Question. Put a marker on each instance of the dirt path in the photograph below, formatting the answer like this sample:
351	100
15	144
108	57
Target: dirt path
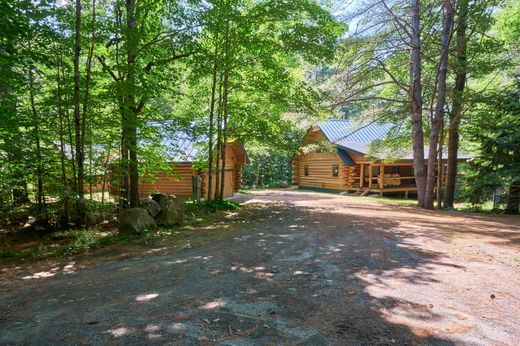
296	268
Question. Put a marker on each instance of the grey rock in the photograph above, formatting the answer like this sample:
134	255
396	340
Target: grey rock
152	207
135	221
172	210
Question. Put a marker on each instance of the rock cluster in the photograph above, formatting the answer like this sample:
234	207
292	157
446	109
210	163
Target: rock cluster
159	210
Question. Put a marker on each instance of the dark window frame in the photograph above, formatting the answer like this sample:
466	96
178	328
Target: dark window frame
306	170
335	170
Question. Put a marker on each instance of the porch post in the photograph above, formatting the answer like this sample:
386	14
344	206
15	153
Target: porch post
362	175
381	179
370	175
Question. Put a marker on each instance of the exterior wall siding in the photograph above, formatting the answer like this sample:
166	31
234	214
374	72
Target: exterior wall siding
179	183
320	171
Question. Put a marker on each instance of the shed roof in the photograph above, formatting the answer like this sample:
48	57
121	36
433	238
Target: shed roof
177	144
181	146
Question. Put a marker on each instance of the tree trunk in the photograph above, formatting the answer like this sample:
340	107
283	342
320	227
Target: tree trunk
219	141
131	108
456	109
36	121
223	145
225	108
77	117
440	166
87	93
123	168
513	200
416	103
123	148
72	149
211	121
59	99
217	161
436	120
106	170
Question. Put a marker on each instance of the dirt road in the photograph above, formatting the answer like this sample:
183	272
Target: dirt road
294	268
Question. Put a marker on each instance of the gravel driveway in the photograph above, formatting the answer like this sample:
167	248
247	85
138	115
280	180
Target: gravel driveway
293	268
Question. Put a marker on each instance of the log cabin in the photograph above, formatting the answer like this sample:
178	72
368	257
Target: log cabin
347	166
184	151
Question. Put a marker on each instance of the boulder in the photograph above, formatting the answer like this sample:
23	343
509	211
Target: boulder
172	209
91	219
135	221
152	207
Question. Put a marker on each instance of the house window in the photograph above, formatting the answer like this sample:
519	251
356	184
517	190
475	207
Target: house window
335	170
306	170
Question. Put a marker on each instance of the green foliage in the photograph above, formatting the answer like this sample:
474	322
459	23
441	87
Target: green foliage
494	132
71	242
268	167
270	41
508	23
195	208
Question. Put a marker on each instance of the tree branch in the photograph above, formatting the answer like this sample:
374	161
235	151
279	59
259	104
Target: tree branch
402	86
101	59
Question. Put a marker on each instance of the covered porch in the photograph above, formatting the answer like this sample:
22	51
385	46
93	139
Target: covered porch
376	177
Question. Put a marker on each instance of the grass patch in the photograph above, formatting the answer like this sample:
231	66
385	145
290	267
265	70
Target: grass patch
203	206
486	208
63	243
73	242
383	200
390	200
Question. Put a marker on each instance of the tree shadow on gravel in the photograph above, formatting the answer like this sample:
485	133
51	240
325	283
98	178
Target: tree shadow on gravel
496	229
366	253
286	273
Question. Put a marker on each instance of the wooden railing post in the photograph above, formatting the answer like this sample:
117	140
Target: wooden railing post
381	178
362	175
370	175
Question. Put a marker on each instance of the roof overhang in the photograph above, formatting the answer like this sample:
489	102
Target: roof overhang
344	156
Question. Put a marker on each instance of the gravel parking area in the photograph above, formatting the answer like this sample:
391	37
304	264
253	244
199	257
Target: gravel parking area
293	268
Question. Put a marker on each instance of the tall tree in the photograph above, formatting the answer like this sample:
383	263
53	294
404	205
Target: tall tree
417	103
153	36
436	121
460	67
80	153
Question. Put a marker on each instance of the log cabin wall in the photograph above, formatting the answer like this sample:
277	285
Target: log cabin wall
237	177
349	174
230	175
229	188
179	183
295	171
320	167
